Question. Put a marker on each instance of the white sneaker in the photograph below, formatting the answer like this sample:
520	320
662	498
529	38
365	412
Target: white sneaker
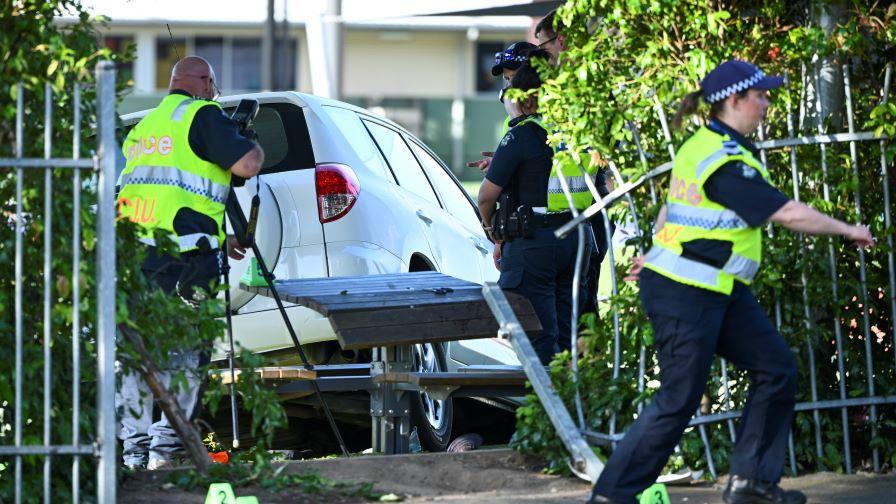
156	464
134	466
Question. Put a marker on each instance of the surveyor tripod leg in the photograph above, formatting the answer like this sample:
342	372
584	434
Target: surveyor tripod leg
269	278
225	269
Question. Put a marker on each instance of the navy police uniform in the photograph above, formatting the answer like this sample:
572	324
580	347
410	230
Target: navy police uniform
693	323
540	268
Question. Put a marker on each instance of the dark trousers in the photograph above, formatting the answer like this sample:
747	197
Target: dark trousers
591	278
739	331
542	269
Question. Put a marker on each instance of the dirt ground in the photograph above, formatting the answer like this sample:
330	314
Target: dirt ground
490	476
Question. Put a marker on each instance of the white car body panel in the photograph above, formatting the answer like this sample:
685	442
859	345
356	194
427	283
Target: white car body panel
387	228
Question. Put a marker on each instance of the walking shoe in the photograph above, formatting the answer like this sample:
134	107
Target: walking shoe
600	499
134	465
156	464
741	490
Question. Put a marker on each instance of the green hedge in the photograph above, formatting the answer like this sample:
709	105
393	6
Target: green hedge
625	59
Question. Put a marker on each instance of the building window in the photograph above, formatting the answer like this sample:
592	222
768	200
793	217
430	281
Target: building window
122	46
284	64
167	52
485	60
212	49
245	65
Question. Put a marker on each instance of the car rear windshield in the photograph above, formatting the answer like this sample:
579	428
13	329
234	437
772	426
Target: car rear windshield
283	134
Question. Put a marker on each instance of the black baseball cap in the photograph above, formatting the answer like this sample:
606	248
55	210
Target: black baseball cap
735	76
513	57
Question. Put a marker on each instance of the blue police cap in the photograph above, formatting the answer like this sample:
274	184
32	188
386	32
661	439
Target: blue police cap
733	77
513	57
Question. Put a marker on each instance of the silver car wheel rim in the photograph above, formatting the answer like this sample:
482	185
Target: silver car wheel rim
426	361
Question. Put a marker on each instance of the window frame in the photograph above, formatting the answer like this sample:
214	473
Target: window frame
366	118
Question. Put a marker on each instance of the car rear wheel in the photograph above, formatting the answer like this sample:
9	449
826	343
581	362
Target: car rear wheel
432	417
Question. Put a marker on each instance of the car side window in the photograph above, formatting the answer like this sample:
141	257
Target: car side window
349	124
454	197
403	163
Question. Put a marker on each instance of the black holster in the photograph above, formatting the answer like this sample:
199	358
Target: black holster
512	221
200	276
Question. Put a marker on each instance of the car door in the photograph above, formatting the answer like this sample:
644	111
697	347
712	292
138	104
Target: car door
460	207
453	252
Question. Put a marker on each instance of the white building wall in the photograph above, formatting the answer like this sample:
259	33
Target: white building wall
400	64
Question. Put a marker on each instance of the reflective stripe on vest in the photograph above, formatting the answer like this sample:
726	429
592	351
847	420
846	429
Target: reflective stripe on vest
729	148
181	109
575	184
167	175
702	273
186	242
705	218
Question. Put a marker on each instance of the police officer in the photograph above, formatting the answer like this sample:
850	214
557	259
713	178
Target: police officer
180	159
550	37
533	262
694	286
507	62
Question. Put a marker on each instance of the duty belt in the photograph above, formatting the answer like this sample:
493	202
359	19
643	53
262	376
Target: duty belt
552	219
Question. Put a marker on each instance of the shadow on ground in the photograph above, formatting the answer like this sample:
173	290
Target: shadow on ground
493	476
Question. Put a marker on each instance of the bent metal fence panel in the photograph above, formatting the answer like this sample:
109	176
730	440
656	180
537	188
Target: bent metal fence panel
100	171
840	151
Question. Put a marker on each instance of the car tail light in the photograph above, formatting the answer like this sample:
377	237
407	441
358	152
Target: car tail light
337	190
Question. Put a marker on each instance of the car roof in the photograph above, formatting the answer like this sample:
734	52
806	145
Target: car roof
300	99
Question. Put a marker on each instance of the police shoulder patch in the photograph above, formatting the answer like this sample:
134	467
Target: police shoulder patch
507	138
748	171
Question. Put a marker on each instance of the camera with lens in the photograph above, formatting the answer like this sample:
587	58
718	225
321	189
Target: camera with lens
244	116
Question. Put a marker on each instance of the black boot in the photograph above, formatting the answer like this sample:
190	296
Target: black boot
600	499
741	490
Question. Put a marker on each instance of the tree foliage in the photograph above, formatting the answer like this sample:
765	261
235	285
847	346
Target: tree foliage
628	60
36	49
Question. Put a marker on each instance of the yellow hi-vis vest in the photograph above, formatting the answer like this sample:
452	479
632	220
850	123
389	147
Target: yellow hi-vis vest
690	215
164	175
575	179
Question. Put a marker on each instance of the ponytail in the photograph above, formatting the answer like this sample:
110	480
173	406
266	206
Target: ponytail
688	106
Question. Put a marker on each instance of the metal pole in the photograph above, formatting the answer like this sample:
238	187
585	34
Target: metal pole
771	234
887	213
48	265
832	260
863	283
584	459
574	312
20	317
76	297
794	173
106	465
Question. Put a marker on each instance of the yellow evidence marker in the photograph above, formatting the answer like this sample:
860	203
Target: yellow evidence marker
654	494
222	493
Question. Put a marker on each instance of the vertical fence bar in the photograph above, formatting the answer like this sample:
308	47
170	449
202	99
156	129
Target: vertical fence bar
887	217
20	230
832	260
48	266
105	267
763	156
616	338
794	173
863	273
576	283
76	296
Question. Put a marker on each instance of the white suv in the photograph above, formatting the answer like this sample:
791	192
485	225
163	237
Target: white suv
345	192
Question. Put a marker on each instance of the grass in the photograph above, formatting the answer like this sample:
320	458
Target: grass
472	187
